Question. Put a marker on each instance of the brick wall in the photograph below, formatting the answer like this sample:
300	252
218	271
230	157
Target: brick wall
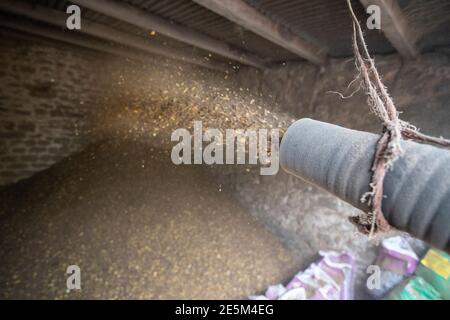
47	94
56	98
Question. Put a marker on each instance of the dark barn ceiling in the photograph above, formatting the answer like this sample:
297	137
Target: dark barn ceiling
323	23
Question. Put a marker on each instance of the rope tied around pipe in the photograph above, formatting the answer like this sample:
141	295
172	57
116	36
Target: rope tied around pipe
388	148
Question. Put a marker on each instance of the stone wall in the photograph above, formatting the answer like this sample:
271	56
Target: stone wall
420	88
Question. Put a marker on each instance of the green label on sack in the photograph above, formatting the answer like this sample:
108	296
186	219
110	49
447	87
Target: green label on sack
437	262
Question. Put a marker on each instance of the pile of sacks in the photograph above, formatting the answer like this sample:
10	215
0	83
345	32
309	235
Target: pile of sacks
331	278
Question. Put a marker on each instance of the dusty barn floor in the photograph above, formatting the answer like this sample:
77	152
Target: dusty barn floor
138	227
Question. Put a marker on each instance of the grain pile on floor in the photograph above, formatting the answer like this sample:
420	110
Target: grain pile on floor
138	227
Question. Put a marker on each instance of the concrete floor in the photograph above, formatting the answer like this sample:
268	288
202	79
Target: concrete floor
137	226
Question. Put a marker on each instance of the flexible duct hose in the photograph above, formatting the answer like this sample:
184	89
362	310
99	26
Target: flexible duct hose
416	189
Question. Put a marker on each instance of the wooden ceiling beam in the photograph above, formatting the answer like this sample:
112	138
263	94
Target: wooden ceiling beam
143	19
395	27
248	17
57	18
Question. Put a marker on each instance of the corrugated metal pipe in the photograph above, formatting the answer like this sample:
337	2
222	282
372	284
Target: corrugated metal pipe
416	189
